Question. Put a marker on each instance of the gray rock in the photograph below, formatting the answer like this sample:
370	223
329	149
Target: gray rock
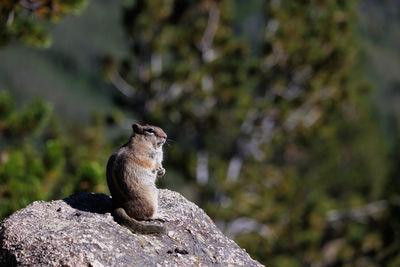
80	231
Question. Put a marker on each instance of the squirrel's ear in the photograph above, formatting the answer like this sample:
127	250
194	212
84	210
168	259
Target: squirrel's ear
137	128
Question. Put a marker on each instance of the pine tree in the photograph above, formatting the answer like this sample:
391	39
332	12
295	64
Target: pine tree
24	20
263	136
41	160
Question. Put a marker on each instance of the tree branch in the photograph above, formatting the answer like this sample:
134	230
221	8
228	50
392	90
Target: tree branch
209	33
360	214
31	5
123	86
10	18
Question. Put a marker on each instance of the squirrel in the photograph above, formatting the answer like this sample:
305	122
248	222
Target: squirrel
131	174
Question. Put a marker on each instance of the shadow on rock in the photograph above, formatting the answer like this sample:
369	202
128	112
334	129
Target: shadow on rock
96	203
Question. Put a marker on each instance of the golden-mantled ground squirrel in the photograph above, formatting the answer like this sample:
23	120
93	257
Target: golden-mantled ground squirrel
131	174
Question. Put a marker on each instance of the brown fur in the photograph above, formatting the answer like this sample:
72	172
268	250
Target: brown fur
131	175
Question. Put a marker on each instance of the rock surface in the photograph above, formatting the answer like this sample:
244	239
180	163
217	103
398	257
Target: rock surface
80	231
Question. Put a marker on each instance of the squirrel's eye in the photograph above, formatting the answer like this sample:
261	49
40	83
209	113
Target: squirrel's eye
151	131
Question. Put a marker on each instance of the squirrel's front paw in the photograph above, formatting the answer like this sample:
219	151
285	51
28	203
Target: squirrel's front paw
160	171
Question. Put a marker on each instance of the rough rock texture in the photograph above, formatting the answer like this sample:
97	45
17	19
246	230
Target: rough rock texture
79	231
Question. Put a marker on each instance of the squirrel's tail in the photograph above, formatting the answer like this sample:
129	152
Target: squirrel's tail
135	226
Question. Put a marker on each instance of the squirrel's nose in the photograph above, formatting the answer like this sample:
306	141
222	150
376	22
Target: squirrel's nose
160	143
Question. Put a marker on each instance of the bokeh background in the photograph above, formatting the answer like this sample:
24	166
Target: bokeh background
282	115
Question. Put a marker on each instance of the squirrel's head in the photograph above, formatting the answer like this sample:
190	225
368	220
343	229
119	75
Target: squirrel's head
153	134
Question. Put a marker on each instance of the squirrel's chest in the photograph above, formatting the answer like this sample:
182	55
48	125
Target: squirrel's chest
142	160
139	171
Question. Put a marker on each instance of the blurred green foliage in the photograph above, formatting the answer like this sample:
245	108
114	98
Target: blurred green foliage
40	159
24	20
271	139
271	130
